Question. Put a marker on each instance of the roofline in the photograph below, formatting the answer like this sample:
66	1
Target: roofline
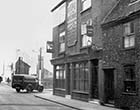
124	19
58	5
110	11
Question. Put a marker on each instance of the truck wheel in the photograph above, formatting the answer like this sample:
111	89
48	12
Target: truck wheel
29	88
18	90
40	88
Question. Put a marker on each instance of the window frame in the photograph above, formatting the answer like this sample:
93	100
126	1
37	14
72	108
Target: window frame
129	81
62	43
81	83
129	35
89	39
60	76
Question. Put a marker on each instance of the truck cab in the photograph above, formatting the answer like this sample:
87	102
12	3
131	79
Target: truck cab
26	82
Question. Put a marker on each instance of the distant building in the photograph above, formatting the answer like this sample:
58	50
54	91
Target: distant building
21	67
47	78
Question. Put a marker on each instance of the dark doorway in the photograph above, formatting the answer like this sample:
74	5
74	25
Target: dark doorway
68	79
109	86
94	80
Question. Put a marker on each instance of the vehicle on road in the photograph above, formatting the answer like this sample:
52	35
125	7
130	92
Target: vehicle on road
26	82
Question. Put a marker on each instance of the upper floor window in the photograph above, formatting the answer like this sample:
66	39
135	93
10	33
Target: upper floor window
129	37
86	4
59	15
62	42
130	79
86	35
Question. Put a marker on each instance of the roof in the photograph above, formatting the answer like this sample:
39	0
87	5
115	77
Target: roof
23	62
26	76
122	9
58	5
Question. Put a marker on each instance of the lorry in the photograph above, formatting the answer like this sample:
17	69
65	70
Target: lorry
26	82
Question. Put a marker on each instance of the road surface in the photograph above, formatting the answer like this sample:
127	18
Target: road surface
11	100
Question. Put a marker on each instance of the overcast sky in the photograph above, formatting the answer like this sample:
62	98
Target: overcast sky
25	25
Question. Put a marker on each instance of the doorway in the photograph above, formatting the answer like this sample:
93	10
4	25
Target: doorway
94	80
109	86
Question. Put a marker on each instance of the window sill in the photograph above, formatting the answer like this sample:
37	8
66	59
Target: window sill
62	53
81	92
128	48
130	93
83	11
60	89
85	47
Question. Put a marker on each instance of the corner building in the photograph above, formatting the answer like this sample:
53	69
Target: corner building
78	49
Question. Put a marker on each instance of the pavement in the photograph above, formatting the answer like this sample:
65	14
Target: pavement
75	104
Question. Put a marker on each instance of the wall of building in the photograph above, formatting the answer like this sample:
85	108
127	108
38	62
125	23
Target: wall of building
21	67
116	56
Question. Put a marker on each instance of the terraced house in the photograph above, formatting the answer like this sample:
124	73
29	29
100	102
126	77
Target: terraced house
77	56
121	52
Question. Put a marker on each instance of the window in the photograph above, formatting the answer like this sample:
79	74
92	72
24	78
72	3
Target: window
60	76
80	78
59	15
62	42
86	40
130	79
129	37
86	4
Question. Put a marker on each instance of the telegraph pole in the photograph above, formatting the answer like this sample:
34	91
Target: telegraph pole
40	65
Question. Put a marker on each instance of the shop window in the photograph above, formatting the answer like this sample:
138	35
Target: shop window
129	37
62	42
81	77
130	79
86	4
60	76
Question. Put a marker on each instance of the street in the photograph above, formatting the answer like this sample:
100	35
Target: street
11	100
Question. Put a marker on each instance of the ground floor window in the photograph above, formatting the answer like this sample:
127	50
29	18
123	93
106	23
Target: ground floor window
80	76
60	76
130	79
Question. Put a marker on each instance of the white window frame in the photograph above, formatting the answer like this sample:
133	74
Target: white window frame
129	37
85	40
62	41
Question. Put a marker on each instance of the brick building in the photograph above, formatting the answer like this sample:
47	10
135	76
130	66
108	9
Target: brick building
21	67
78	49
121	53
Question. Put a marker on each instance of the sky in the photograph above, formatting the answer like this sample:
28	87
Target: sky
25	25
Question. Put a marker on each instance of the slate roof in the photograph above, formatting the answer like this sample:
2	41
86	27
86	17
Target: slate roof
122	9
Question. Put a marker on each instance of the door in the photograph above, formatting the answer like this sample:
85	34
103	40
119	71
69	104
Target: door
109	86
94	80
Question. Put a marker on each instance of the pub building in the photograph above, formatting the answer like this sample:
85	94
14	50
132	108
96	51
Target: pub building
77	51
